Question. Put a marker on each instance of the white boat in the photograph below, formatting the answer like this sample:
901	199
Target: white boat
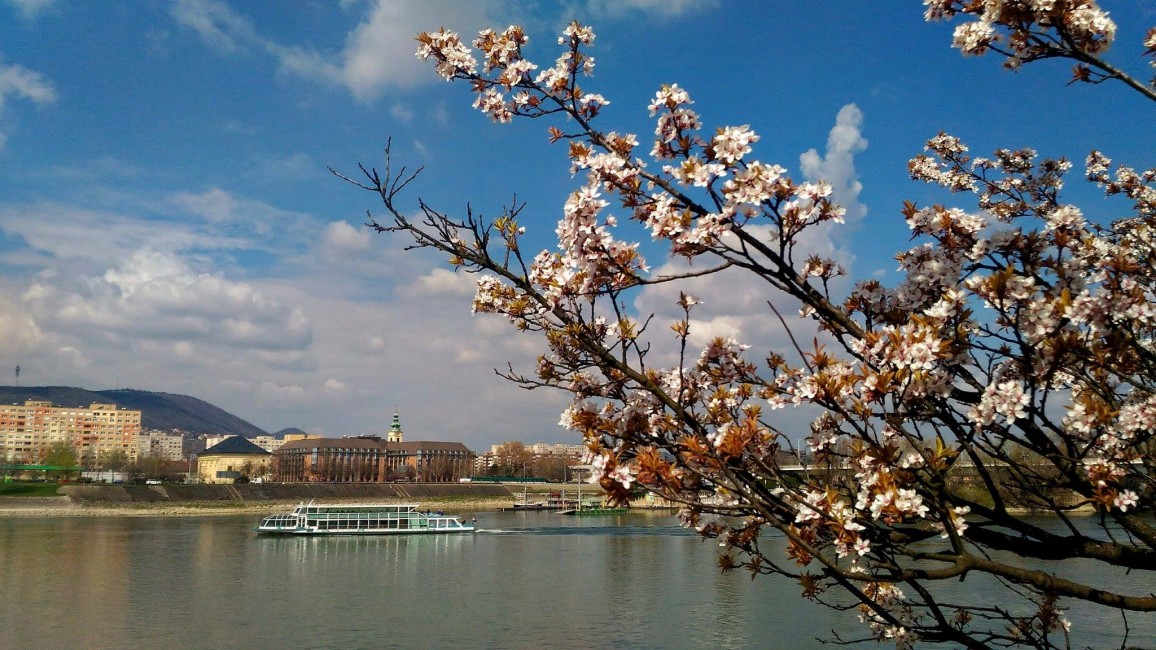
527	504
358	519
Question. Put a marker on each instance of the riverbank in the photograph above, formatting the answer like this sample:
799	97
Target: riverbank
66	507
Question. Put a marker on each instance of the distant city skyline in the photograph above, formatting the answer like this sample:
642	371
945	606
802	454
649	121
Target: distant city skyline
167	221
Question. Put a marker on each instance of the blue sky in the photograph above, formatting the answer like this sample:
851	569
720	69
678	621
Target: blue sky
167	221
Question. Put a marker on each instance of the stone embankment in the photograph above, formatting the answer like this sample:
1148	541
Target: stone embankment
188	500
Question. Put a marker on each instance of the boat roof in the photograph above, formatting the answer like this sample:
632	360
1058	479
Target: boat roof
358	506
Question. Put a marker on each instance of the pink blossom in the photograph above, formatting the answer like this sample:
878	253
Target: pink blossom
1126	499
732	143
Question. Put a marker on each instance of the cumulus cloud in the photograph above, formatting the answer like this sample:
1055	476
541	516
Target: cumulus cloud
155	295
342	239
19	331
444	282
837	166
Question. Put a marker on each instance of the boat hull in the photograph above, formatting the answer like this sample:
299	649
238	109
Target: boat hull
308	531
593	512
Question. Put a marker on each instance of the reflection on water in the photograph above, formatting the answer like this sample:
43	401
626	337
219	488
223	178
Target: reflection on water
525	580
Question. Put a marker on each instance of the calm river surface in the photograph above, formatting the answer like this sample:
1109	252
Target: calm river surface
527	580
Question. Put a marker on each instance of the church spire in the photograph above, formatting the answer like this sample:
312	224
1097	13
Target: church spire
395	428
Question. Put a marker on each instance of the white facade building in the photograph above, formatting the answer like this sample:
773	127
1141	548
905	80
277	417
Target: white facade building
162	445
268	443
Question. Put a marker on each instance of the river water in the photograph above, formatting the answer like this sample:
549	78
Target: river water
526	580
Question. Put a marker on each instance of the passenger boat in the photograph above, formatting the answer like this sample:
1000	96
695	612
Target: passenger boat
358	519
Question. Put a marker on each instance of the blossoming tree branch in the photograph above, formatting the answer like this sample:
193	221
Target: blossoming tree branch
1012	371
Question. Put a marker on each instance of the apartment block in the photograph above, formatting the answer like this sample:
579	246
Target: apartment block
161	445
268	443
28	430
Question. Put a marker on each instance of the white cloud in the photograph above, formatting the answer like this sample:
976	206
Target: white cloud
703	332
19	332
467	354
155	296
378	53
73	357
31	8
662	8
401	113
21	82
63	235
240	127
444	282
342	239
269	389
332	385
297	165
837	167
18	81
215	205
216	23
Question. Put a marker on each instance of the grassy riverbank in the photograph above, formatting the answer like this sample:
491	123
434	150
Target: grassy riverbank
28	490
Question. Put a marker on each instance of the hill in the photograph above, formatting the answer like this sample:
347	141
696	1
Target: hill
164	411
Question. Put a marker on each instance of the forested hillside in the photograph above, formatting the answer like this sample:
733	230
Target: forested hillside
164	411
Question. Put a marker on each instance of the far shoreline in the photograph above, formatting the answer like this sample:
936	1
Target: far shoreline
44	507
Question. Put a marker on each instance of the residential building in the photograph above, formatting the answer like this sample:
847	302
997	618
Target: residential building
231	459
550	452
28	430
290	437
268	443
212	440
540	449
160	445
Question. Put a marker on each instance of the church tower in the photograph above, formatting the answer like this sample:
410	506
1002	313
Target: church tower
395	428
